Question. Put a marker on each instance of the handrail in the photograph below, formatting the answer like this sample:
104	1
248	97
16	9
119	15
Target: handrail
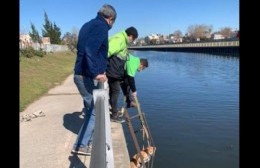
102	151
190	45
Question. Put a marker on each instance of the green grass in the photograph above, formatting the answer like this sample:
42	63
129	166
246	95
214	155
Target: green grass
39	74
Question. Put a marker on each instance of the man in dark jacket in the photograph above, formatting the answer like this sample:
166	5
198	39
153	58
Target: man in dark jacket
90	67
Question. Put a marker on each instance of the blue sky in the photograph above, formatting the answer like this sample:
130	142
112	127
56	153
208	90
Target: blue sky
148	16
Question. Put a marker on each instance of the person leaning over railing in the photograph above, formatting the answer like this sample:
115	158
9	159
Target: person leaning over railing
90	67
117	56
133	64
127	82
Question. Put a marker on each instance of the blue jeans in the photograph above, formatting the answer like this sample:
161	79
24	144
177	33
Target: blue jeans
86	86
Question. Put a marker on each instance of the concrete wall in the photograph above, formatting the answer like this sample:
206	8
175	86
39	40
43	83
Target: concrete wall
46	47
51	47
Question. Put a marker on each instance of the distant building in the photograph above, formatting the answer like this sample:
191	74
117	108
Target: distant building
142	42
154	37
175	39
46	40
25	40
218	36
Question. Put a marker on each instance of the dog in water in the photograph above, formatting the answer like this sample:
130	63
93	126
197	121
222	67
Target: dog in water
136	161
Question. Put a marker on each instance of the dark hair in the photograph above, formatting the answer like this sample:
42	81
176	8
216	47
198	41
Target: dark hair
144	62
107	11
132	31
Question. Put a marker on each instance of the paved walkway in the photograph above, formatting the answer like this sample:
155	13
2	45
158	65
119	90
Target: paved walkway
46	140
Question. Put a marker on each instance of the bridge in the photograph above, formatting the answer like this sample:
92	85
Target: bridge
215	47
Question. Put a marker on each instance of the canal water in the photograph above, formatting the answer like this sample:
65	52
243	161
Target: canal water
191	103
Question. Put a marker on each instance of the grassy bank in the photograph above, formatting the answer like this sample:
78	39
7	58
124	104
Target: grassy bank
39	74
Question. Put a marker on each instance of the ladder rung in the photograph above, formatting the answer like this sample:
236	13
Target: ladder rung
134	116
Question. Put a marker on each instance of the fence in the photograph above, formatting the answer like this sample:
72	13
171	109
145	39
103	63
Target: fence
45	47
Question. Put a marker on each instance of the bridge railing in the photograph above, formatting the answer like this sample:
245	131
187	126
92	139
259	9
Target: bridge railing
189	45
102	151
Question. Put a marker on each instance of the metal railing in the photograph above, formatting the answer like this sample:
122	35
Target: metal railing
190	45
102	151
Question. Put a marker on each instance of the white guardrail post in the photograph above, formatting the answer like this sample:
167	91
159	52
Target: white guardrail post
102	151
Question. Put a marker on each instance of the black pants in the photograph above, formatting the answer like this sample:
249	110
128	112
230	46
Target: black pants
114	91
126	91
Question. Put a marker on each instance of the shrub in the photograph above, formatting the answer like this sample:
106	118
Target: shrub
27	52
30	52
40	53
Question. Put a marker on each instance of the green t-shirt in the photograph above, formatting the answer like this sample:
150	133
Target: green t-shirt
132	65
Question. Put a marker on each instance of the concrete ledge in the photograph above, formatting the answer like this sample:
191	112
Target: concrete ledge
121	156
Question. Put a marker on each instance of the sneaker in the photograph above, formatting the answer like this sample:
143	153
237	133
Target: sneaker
121	112
116	119
82	151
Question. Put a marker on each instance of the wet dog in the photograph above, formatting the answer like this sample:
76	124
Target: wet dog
136	161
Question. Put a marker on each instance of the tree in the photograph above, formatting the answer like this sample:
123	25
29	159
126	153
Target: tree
51	30
46	32
34	34
56	34
201	32
71	39
226	32
177	34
